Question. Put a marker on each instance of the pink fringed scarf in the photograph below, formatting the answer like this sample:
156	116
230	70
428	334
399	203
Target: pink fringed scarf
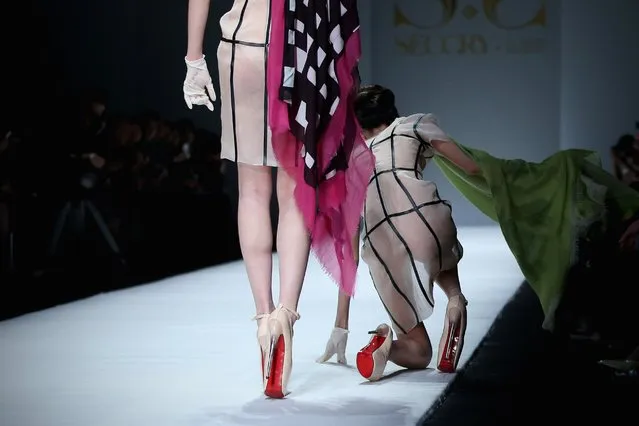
332	164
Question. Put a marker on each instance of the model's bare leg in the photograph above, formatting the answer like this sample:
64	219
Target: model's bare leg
344	300
293	243
338	339
412	350
255	232
448	281
343	310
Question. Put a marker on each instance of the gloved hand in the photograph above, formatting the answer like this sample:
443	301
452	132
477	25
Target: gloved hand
198	86
336	346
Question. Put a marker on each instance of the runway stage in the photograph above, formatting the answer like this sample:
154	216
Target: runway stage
182	352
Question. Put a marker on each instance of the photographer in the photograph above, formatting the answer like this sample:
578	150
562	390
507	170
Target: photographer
8	169
607	253
87	145
630	238
629	242
625	156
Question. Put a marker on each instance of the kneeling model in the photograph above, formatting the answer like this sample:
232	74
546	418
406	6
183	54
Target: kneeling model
410	241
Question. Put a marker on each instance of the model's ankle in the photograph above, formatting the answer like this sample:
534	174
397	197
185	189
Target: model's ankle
341	324
265	309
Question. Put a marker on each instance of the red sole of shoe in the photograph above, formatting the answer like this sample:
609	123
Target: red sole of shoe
449	364
365	362
274	382
446	366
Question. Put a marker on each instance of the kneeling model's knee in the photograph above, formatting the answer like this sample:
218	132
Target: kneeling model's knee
412	354
425	357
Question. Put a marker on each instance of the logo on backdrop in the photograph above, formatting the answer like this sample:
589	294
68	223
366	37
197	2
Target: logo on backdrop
469	27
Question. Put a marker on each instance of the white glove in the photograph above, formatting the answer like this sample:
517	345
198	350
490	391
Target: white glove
198	86
336	346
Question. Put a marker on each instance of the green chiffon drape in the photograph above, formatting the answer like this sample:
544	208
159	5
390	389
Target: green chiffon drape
542	209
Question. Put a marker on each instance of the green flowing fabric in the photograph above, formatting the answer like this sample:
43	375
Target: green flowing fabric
542	209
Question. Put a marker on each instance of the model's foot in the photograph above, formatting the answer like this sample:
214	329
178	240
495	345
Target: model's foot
280	351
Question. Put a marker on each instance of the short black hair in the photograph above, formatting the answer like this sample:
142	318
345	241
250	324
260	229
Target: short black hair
375	106
625	143
5	128
95	95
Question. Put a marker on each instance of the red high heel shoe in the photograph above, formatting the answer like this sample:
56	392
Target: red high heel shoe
372	358
452	341
280	352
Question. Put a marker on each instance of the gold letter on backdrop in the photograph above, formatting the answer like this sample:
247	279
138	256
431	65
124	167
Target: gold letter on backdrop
491	11
449	7
491	7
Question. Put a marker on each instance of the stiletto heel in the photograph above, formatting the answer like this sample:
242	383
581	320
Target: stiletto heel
280	352
452	340
271	354
372	358
262	338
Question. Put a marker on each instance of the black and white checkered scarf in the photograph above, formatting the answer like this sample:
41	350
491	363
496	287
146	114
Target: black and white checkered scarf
316	33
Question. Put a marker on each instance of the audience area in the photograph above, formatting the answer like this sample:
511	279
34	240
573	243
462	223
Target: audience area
91	200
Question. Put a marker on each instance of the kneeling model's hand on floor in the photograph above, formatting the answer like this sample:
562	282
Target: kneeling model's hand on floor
336	345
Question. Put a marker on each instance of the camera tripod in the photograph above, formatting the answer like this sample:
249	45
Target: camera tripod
80	208
7	246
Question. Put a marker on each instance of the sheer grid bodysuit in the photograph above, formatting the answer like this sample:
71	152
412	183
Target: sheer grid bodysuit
409	233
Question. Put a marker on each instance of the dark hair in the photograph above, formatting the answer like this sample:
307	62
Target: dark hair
375	106
94	95
207	142
624	143
5	128
184	126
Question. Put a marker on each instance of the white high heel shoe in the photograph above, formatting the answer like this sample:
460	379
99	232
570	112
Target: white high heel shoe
280	351
336	345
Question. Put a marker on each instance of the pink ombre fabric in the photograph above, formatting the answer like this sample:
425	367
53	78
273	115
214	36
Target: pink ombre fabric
332	215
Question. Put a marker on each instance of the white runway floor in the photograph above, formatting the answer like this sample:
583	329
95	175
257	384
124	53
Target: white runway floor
182	352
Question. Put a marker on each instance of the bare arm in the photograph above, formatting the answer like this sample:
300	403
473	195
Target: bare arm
428	131
336	344
198	15
344	300
452	153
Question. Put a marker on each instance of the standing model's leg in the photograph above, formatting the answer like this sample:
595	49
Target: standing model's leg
256	241
293	245
452	340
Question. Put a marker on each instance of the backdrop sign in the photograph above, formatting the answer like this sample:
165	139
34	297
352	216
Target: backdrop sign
488	69
469	27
